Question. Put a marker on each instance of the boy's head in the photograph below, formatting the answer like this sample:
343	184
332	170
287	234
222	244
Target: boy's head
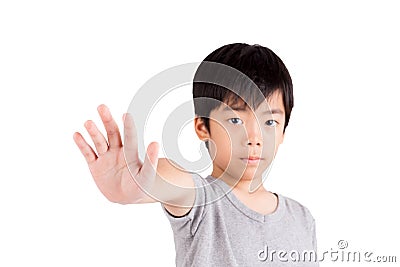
258	63
273	91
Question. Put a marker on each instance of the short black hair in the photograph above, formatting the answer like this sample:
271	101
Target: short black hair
259	63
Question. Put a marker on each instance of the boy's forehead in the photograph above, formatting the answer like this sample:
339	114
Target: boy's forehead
273	102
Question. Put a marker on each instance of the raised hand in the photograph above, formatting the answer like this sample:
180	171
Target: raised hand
108	163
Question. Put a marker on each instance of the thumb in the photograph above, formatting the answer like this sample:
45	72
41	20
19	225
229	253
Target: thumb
149	167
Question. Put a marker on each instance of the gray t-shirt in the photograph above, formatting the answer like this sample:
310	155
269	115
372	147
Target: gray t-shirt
225	232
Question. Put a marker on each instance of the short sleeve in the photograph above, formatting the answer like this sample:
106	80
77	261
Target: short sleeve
314	236
187	224
311	227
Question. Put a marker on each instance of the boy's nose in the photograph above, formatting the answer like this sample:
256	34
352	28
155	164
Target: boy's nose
254	136
254	142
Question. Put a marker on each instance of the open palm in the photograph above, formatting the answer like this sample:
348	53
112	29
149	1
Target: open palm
109	163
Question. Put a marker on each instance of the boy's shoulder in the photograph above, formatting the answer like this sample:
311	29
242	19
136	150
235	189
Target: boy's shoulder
295	209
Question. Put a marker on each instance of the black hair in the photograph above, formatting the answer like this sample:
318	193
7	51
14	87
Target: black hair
258	63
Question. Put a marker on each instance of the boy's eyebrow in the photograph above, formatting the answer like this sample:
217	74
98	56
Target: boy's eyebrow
228	108
272	111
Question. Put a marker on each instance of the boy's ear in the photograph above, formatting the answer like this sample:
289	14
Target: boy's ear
200	128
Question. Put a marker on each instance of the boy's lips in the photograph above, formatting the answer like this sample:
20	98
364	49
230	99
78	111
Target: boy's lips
252	160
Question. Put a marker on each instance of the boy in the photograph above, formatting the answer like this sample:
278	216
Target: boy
227	218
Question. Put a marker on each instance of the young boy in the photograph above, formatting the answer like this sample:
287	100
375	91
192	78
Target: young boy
227	218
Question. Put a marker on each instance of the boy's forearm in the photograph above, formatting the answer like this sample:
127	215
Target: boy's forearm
171	185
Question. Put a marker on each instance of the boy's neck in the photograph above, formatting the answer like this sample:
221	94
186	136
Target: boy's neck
244	185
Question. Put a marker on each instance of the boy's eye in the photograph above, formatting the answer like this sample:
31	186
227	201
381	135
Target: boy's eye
235	121
272	123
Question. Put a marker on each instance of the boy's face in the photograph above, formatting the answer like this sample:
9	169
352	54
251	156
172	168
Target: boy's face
243	143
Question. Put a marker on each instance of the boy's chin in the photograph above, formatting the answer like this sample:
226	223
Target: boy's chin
250	174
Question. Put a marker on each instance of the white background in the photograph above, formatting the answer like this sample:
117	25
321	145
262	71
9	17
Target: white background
60	59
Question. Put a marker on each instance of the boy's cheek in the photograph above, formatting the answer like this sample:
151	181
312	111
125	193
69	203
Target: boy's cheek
219	148
278	138
224	151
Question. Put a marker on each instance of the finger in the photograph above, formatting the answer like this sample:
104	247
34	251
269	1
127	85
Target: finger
114	137
130	139
149	167
85	148
98	139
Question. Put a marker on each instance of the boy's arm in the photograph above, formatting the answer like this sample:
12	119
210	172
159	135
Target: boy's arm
178	185
140	183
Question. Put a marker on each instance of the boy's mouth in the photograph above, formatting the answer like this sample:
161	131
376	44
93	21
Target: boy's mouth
252	160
